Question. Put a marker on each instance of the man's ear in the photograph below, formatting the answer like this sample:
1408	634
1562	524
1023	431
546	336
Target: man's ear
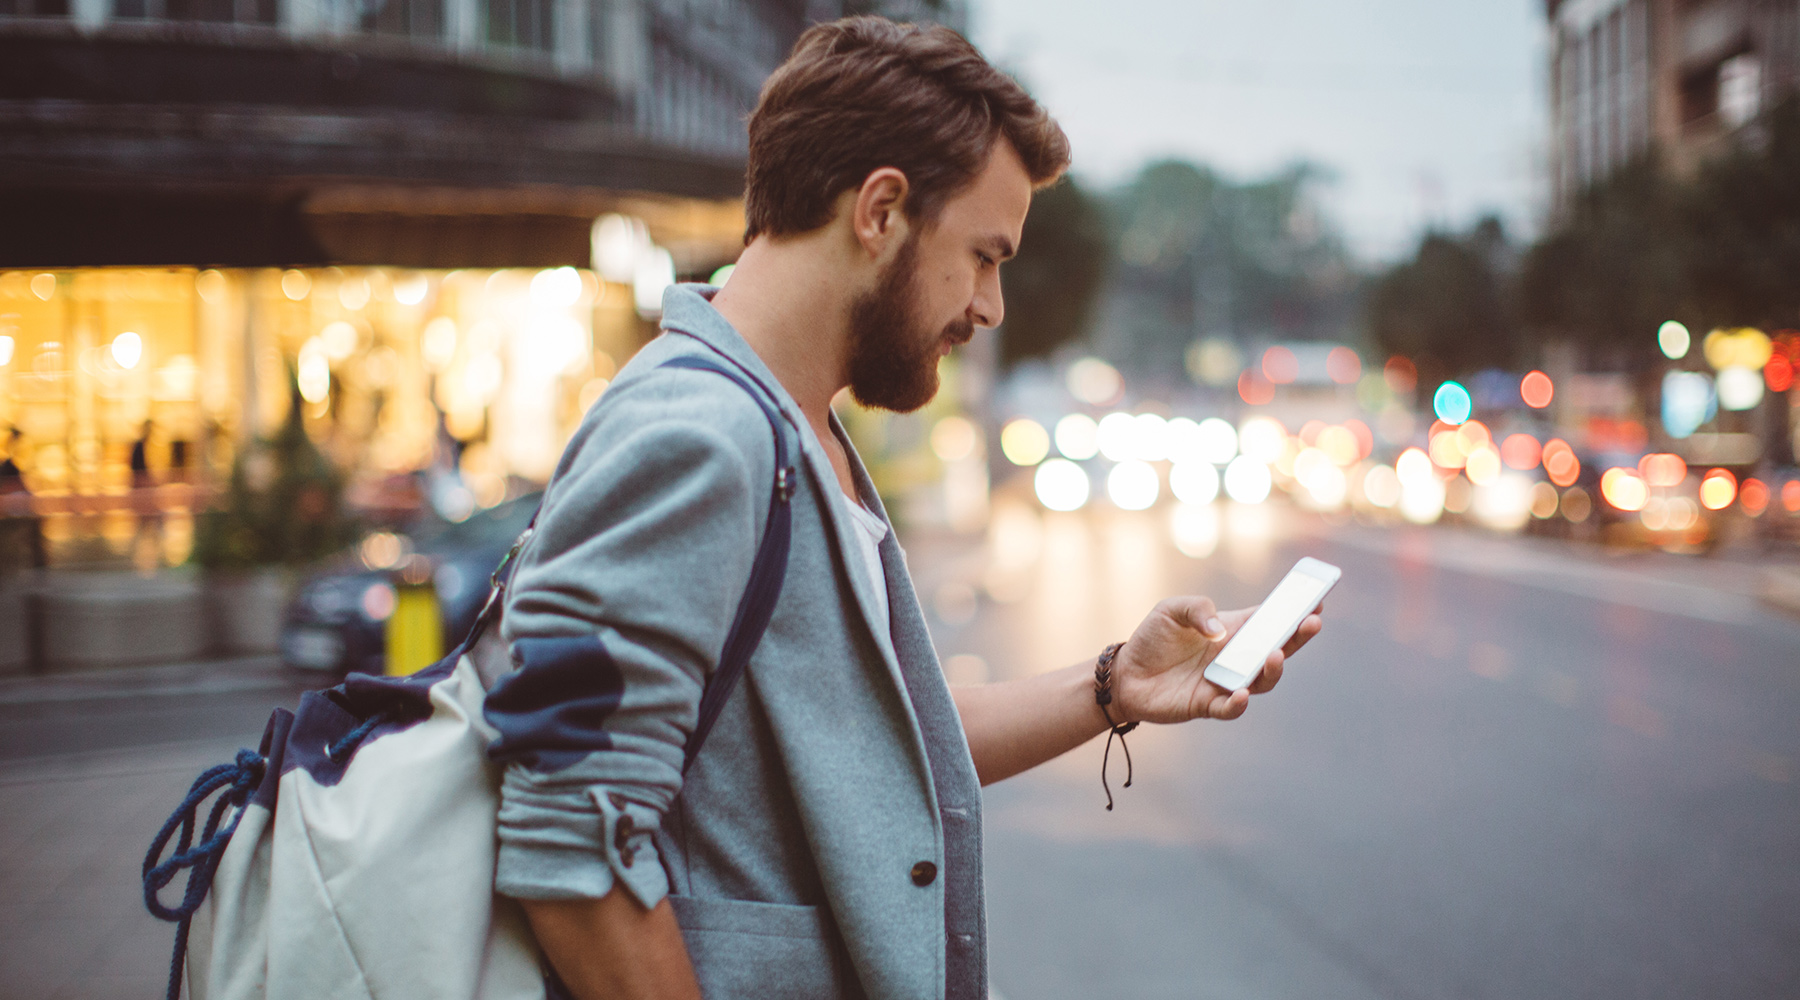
878	216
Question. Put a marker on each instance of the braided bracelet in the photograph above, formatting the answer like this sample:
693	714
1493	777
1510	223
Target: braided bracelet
1103	696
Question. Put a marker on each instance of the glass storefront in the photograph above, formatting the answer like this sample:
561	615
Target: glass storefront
125	393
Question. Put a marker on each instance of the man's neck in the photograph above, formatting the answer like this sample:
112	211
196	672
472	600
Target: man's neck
795	316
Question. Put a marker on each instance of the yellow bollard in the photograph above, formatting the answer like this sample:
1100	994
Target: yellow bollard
415	631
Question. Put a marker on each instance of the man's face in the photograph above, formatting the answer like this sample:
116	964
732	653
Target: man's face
941	283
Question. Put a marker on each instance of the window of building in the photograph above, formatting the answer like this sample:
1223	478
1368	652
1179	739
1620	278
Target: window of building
34	8
1740	89
422	19
525	24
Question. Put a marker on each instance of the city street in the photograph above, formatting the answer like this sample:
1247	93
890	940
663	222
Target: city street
1508	768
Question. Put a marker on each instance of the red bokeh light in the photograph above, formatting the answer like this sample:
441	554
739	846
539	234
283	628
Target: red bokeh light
1365	439
1521	451
1309	432
1560	463
1401	375
1790	496
1280	366
1343	366
1754	495
1662	470
1537	390
1255	390
1779	373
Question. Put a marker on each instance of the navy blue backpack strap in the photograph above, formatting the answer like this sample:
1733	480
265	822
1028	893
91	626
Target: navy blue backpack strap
767	573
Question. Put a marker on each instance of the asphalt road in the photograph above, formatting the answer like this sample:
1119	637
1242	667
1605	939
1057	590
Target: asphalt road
1504	770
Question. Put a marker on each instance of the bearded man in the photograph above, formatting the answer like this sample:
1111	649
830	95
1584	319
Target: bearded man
827	841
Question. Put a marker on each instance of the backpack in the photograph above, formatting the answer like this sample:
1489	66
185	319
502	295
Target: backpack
352	853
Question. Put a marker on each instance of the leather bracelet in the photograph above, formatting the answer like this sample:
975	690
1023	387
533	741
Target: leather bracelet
1103	696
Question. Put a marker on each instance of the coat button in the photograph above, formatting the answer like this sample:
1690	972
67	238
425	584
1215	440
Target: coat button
923	873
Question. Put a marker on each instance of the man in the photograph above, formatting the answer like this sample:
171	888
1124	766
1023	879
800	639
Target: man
826	841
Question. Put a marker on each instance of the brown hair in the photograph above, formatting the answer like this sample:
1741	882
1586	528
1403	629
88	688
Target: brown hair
864	93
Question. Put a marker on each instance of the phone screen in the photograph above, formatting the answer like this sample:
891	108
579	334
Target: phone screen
1291	601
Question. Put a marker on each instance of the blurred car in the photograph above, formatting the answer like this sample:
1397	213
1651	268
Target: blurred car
337	622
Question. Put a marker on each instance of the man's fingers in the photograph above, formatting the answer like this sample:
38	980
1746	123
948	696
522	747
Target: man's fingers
1271	674
1230	707
1197	613
1308	628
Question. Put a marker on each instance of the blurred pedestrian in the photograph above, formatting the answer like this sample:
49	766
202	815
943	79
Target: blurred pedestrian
12	478
827	841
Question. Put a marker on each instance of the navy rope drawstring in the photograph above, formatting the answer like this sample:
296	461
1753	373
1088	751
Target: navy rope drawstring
238	780
348	743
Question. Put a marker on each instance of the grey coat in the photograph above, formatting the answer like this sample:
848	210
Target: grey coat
827	841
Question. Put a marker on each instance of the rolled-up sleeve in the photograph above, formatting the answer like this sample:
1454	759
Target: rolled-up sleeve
616	616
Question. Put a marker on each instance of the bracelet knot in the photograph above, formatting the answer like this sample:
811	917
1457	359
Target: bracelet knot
1103	696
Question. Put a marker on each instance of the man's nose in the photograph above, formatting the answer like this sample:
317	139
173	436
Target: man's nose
989	308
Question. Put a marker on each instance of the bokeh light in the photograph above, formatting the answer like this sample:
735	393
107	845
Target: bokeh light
1194	481
1280	366
1149	438
1521	452
1262	439
1577	506
1452	403
955	438
1718	489
1790	496
1078	437
1483	466
1422	499
1247	480
1118	437
1754	497
1024	441
1401	375
1537	390
1662	469
1624	489
1779	373
1413	465
1504	503
1340	444
1095	382
1560	463
1343	366
1195	529
1674	340
1254	389
1543	501
1218	441
1133	485
127	350
1061	485
1381	486
1688	401
1740	388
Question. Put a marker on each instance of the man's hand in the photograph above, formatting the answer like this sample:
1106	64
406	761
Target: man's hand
1157	676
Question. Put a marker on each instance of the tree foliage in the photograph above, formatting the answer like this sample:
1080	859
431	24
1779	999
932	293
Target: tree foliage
1448	308
1051	284
1720	248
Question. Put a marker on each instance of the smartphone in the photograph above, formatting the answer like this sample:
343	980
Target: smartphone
1273	624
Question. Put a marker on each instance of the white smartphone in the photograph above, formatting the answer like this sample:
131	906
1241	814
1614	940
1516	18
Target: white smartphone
1273	624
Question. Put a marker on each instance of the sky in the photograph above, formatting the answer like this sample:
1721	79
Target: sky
1427	113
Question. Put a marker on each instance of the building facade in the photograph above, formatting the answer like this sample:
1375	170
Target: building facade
1682	77
436	226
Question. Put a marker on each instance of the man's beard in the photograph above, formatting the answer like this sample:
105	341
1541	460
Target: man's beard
893	365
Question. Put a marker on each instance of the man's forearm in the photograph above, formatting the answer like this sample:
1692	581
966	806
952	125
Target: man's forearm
613	948
1017	725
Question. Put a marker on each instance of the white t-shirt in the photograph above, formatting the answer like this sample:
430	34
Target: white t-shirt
869	532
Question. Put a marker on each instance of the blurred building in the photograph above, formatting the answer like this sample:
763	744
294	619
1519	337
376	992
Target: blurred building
1681	76
444	222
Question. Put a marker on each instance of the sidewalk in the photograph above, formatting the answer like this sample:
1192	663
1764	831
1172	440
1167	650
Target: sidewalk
243	673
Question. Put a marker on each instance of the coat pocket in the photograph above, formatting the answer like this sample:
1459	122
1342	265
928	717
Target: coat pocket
742	949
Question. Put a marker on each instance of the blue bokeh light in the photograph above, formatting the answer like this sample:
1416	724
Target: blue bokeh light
1452	403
